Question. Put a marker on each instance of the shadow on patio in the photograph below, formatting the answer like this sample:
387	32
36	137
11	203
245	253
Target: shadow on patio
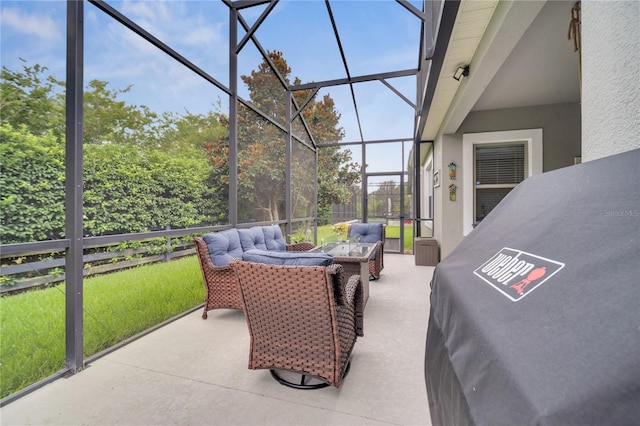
194	371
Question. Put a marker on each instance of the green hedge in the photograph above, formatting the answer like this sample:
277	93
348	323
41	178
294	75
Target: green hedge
32	182
126	189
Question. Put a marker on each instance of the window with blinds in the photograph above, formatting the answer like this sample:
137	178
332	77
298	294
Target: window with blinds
497	170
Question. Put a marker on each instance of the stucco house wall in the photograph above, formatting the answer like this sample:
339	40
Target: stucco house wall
610	77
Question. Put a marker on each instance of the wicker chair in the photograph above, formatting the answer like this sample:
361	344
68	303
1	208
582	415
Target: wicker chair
221	281
302	319
371	233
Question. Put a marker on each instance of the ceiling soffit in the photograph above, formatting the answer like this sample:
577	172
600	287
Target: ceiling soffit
487	41
471	22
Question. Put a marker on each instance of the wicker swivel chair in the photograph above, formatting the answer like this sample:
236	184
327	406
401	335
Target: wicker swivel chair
370	233
302	319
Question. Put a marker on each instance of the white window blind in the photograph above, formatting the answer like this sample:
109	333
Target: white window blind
498	169
499	164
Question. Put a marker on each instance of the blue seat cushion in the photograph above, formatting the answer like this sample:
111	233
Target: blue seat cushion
368	232
273	238
252	238
223	246
288	258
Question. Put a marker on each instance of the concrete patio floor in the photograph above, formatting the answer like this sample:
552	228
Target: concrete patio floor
194	372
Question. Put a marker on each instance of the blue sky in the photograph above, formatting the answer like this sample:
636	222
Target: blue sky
377	36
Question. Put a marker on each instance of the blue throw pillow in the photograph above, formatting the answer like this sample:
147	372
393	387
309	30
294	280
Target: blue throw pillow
288	258
223	246
273	238
252	238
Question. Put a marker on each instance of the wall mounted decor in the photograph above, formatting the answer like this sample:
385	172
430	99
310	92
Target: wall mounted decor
452	170
452	191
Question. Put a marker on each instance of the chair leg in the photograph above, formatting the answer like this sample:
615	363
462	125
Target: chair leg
302	384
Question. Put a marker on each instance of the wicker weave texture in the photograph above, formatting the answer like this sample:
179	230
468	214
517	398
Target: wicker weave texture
295	320
301	246
220	281
376	265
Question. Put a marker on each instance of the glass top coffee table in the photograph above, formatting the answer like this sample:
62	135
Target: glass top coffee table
354	258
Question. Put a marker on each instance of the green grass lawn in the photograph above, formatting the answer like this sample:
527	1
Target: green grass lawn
325	232
116	307
393	231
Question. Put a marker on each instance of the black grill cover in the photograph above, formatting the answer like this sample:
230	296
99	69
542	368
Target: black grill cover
535	316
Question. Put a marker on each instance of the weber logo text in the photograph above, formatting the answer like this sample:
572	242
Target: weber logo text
516	273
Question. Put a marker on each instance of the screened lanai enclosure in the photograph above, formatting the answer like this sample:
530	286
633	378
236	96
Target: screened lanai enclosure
128	127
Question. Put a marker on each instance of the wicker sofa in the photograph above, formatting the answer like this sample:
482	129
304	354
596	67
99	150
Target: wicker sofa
301	319
215	250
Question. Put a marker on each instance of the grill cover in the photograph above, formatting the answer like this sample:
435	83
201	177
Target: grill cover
535	316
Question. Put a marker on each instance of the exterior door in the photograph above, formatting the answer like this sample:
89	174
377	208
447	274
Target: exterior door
384	202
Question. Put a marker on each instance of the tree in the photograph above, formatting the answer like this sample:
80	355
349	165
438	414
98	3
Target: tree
337	172
261	149
32	99
110	120
261	145
208	133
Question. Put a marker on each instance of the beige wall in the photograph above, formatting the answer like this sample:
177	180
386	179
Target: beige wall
448	214
610	77
438	217
560	124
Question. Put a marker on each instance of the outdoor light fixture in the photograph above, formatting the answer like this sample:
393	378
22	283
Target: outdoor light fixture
461	72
